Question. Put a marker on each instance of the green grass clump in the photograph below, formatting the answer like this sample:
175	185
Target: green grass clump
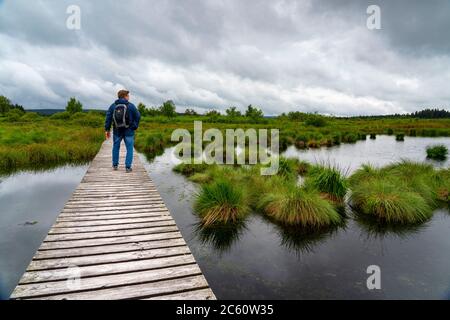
404	193
328	180
373	136
221	202
295	205
437	152
390	202
189	169
400	137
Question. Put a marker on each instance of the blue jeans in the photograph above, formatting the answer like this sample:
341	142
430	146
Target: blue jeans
129	143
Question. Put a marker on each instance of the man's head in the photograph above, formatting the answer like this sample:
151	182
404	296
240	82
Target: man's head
124	94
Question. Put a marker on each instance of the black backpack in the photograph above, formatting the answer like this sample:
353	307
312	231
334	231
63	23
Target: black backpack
120	116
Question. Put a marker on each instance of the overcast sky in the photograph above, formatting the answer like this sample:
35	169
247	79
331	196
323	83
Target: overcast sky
281	55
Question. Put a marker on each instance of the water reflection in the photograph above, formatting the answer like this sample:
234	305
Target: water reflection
374	229
221	237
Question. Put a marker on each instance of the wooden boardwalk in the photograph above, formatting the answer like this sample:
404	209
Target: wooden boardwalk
115	239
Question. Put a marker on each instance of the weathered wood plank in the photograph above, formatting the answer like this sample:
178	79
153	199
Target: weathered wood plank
108	234
203	294
106	258
105	269
87	251
104	282
138	291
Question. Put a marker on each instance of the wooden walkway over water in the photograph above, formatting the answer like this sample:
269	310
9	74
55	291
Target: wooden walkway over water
117	235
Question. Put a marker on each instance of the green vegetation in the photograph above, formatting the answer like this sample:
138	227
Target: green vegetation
221	202
404	193
329	181
294	205
74	106
437	152
30	141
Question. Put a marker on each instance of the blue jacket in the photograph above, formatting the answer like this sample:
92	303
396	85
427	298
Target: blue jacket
133	115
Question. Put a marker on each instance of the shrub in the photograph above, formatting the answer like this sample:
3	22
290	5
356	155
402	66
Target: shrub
316	120
437	152
298	206
221	202
389	202
328	180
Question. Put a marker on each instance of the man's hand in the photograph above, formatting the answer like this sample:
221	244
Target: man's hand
107	135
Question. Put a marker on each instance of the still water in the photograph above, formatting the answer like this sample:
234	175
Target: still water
258	260
29	204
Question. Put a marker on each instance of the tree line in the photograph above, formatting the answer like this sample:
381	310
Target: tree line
169	109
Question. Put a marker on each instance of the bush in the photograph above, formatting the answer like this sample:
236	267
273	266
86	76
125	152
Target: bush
328	180
14	115
316	121
389	202
437	152
298	206
31	117
61	116
221	202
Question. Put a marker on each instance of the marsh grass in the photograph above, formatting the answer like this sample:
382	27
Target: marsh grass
437	152
328	180
220	202
404	193
294	205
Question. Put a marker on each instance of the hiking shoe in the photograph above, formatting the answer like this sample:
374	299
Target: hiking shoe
115	168
129	170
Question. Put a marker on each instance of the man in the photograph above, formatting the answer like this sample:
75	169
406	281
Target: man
125	117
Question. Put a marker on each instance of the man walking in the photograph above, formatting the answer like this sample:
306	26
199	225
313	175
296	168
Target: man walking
124	117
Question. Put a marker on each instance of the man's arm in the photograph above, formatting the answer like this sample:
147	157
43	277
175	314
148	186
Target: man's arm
136	117
108	121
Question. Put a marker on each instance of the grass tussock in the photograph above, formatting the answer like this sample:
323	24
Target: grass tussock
404	193
437	152
328	180
298	206
221	203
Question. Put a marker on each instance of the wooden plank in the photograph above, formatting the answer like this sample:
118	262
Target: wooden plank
106	241
105	269
104	282
109	221
114	227
108	234
139	291
87	251
203	294
106	258
156	208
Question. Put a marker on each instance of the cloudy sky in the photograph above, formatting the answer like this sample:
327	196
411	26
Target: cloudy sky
281	55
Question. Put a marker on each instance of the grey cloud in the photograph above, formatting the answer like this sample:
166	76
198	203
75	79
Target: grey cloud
282	55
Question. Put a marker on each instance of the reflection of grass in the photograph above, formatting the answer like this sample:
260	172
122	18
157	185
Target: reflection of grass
221	236
374	229
303	240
